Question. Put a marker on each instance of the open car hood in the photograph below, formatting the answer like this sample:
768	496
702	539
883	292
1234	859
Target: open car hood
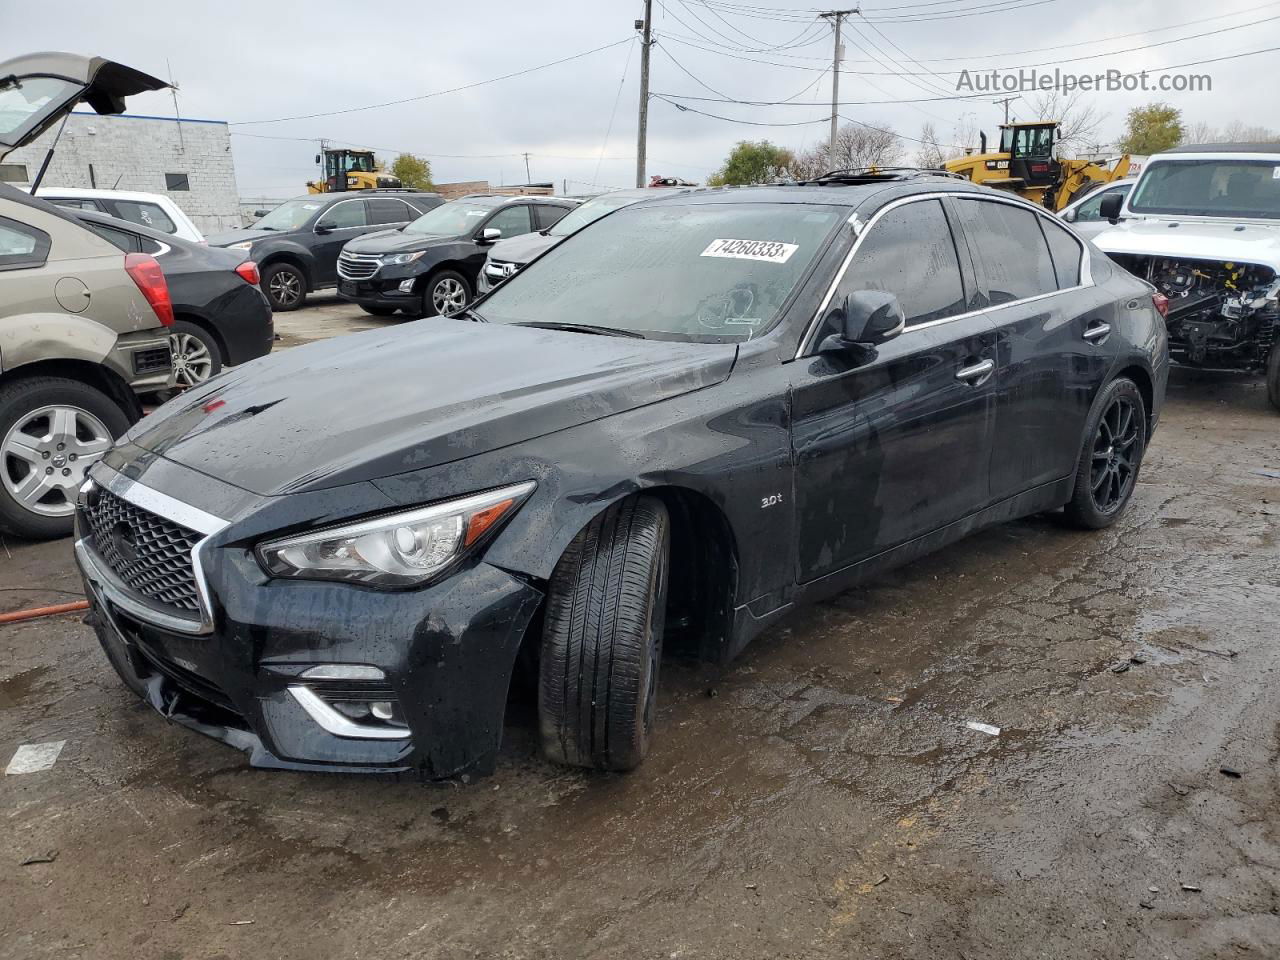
32	99
1227	241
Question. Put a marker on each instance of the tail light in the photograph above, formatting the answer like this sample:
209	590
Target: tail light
146	273
1161	303
249	271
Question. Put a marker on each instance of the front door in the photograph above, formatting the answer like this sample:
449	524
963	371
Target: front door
898	446
340	223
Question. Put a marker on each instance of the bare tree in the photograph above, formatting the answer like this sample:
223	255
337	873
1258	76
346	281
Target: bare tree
1234	132
863	146
930	153
810	163
1078	118
1201	132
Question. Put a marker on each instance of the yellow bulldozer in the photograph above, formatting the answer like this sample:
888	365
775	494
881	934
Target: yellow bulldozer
350	170
1025	164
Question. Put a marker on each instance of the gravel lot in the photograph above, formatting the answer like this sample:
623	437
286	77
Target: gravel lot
822	797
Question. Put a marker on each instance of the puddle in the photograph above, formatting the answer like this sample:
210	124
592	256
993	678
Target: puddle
19	688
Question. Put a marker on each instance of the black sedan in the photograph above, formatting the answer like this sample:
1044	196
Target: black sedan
678	425
431	267
296	245
220	316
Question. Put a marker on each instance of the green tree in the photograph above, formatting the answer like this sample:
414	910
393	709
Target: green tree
1151	129
414	172
752	163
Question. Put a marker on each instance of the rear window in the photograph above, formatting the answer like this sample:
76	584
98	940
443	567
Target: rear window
21	245
1066	252
29	101
1011	249
146	214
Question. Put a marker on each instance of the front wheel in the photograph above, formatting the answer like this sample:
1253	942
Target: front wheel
285	287
602	639
1115	440
1273	375
51	431
445	293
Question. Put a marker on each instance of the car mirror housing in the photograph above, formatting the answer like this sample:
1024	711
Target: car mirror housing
1110	207
871	317
323	228
489	235
1069	216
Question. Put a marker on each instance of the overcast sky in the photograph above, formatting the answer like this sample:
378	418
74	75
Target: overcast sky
240	61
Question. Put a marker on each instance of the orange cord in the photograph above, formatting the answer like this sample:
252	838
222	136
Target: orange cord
17	616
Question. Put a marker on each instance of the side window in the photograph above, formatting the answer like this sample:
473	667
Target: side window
75	204
1007	242
910	253
128	242
1066	251
146	214
348	213
548	214
420	205
21	245
386	210
512	221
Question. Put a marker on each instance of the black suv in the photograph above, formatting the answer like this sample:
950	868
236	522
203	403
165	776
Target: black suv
296	245
432	266
679	424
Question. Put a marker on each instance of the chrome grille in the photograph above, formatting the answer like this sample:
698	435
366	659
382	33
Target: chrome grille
357	266
150	555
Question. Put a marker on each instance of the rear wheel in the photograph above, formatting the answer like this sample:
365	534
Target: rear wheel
1273	375
51	431
602	639
196	354
1115	440
285	286
445	294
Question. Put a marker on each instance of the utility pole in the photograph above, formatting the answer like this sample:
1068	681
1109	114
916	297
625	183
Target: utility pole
528	177
645	27
1006	102
836	17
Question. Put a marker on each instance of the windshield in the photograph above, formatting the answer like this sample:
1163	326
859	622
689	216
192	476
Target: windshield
698	272
451	219
593	210
290	215
1210	188
28	101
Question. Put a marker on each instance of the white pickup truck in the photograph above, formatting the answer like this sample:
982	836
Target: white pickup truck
1202	225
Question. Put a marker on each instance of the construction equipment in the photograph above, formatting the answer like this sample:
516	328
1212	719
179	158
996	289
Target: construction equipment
1025	164
350	170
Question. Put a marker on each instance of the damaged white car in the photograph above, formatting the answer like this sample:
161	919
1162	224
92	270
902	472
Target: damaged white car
1203	226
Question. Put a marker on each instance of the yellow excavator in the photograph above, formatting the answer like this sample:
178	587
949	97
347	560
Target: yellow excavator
350	170
1025	165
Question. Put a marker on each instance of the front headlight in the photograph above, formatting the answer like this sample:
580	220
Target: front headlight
395	258
397	550
243	245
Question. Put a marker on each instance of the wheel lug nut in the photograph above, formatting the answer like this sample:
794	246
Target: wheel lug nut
66	471
62	446
73	456
45	454
48	469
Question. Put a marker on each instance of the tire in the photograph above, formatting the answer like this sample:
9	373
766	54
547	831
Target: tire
197	355
1273	375
1083	190
33	421
379	311
285	287
1115	439
439	283
602	639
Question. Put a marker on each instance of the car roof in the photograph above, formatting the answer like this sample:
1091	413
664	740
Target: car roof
89	193
129	226
1268	148
329	198
499	198
834	194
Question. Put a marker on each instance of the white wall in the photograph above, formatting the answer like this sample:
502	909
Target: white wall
139	151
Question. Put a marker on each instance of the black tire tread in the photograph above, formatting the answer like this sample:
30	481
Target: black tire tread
1273	375
1080	510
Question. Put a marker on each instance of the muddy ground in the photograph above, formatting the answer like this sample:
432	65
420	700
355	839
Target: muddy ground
820	798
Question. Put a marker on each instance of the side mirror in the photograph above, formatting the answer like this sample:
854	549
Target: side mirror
323	228
1069	216
489	235
261	213
1110	208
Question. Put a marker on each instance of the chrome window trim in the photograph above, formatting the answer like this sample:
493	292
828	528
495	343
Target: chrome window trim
329	209
165	506
863	228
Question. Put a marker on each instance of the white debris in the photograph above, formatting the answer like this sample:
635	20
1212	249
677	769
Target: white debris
34	757
986	728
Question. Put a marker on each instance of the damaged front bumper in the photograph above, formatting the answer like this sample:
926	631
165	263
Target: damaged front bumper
322	676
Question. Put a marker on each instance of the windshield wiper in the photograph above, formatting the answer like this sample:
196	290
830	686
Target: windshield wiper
581	328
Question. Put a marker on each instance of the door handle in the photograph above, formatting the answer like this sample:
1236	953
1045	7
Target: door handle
976	373
1097	331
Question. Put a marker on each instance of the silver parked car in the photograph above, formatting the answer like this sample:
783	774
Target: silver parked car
82	325
1085	214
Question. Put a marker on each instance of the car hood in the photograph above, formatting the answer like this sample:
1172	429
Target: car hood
396	241
102	84
372	405
239	236
1229	241
522	249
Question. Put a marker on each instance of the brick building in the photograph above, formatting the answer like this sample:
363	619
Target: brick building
187	160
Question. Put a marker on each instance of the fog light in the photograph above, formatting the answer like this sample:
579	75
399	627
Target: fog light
352	708
382	709
406	286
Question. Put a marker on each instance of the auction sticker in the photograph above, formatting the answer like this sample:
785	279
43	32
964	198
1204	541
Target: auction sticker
770	251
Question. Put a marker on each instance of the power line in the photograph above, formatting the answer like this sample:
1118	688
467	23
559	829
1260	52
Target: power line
612	113
435	93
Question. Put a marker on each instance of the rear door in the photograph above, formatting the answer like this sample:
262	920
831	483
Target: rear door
1051	355
388	212
899	446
